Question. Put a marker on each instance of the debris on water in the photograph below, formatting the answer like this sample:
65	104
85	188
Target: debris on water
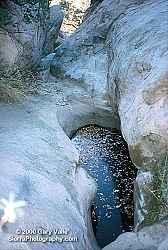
104	154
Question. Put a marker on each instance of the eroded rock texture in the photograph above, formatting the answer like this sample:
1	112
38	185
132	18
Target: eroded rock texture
40	165
131	39
112	69
29	32
120	52
149	238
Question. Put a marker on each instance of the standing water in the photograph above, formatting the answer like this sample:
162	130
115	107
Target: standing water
104	154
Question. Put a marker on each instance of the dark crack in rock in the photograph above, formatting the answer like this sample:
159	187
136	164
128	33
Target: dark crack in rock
104	154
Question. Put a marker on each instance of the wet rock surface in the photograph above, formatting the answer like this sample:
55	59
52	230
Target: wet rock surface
104	154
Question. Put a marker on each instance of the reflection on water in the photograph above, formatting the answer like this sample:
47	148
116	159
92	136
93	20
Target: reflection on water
104	154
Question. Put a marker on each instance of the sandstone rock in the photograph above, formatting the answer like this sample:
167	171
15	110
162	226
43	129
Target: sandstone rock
40	165
9	51
55	21
136	75
31	33
147	239
163	245
121	51
141	85
139	73
113	68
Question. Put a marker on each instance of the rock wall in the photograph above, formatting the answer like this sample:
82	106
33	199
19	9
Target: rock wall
120	52
40	165
127	37
149	238
29	33
113	72
138	70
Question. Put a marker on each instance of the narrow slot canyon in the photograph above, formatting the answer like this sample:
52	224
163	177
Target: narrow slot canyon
84	125
104	154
